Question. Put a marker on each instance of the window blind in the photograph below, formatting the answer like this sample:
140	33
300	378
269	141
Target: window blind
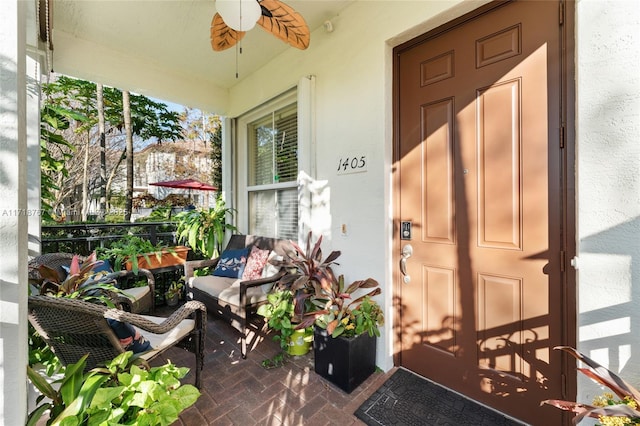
273	148
274	213
273	160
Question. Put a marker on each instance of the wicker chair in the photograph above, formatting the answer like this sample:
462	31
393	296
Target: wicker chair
73	328
137	299
232	299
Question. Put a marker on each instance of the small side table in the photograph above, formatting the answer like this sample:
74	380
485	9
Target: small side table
163	277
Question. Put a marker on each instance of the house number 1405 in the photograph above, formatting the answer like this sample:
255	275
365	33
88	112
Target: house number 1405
352	164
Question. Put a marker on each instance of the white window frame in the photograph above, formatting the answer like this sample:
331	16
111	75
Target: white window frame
301	95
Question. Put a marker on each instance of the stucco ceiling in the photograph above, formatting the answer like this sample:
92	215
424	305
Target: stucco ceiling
105	40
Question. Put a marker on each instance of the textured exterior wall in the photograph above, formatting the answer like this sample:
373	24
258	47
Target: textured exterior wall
352	110
608	184
13	213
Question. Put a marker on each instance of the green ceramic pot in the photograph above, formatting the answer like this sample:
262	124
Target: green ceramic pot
300	342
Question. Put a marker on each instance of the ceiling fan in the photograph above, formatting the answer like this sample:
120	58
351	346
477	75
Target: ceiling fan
234	17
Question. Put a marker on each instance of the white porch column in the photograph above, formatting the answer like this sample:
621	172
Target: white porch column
13	220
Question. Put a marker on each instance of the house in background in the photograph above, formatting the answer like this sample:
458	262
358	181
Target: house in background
172	161
478	158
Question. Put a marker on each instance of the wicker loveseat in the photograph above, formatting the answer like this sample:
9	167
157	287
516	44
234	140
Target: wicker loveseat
74	327
231	298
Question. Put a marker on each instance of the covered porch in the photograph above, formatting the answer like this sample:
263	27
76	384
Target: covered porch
344	91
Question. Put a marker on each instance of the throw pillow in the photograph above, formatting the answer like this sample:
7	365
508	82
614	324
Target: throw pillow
255	264
130	338
270	269
231	263
102	269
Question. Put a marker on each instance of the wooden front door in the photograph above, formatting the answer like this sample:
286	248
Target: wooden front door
478	173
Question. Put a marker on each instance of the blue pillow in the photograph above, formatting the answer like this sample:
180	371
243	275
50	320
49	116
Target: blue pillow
232	263
129	338
105	266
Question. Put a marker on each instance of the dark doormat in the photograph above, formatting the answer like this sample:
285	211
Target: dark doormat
408	399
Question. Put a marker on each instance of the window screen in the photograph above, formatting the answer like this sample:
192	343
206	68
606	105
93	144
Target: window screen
273	171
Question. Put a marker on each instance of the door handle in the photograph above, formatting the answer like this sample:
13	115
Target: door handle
407	251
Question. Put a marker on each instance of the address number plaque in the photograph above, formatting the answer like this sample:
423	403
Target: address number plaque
351	164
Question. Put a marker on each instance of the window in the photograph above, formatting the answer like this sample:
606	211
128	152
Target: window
272	174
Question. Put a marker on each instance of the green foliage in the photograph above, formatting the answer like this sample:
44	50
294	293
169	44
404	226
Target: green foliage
71	104
121	393
55	150
40	353
609	411
340	314
128	248
279	312
80	282
365	318
175	288
322	299
159	214
149	119
278	360
204	229
309	273
216	157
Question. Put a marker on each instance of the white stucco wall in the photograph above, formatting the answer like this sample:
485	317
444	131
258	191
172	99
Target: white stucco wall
352	103
608	186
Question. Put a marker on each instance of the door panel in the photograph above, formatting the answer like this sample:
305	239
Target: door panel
478	176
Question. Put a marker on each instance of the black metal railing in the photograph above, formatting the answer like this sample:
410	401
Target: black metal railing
86	237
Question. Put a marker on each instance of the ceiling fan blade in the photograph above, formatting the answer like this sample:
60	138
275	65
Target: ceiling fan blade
223	36
285	23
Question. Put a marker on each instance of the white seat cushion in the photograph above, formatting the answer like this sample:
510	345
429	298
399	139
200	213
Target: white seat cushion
210	284
161	341
136	293
231	295
226	290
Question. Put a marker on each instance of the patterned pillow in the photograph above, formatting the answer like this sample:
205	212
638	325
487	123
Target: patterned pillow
255	263
231	263
130	338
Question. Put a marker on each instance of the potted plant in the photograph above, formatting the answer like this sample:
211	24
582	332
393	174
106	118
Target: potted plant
204	229
132	253
80	282
289	300
345	318
278	312
346	328
308	274
609	409
174	292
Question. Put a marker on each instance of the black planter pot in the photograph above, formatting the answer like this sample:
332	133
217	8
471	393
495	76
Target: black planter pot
345	362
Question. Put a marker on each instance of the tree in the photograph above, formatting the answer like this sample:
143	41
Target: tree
150	121
54	151
126	110
103	151
216	159
208	128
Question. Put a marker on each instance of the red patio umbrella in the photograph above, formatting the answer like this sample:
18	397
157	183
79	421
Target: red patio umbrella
186	184
190	184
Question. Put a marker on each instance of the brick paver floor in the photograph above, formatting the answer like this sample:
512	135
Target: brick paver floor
238	391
